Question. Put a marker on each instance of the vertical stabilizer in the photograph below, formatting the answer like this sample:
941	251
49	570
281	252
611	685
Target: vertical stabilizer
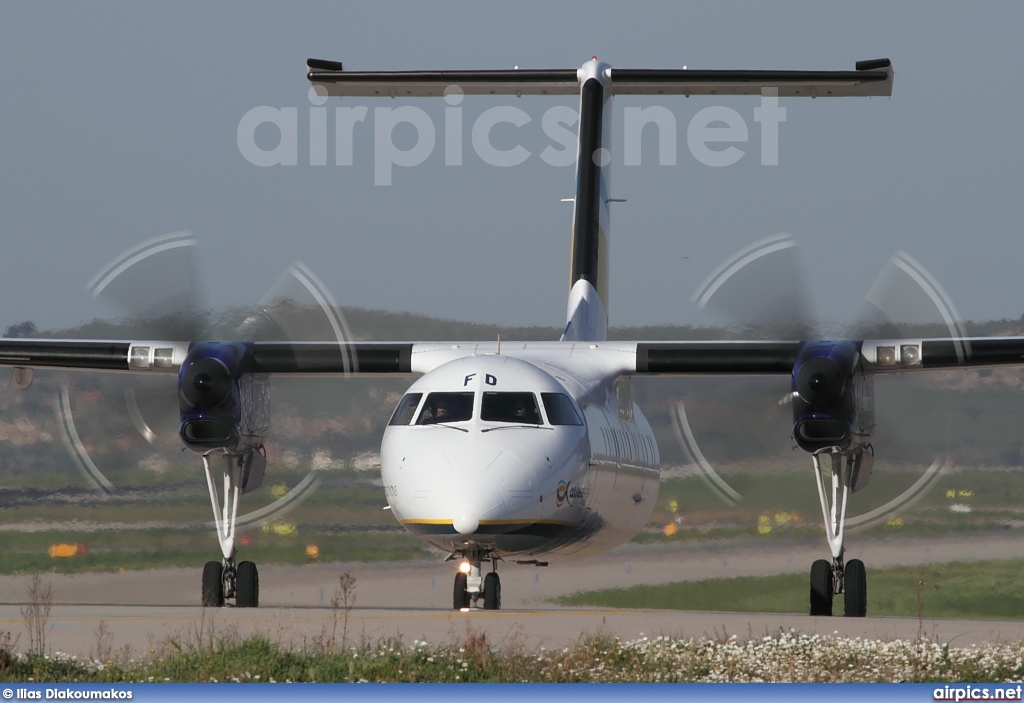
587	314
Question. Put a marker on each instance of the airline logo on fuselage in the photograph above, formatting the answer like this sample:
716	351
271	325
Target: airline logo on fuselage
571	494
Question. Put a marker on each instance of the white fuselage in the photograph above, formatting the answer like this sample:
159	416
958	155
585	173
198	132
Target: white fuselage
579	476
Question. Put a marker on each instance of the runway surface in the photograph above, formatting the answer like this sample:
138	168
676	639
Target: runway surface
412	601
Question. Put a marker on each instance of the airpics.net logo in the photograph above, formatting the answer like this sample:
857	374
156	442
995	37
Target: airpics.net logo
712	134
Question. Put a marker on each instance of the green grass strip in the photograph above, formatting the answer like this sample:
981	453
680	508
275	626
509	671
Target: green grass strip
978	589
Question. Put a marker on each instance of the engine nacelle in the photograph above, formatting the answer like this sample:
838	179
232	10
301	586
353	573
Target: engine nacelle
222	405
833	402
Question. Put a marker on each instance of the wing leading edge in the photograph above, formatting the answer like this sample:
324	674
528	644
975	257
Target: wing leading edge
678	357
877	356
151	356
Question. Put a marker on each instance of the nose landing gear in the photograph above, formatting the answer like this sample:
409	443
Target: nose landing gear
470	586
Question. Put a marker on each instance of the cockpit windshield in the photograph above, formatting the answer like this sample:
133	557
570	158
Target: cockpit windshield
446	407
560	409
406	409
518	407
515	407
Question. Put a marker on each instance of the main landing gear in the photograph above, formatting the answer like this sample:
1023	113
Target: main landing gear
224	580
837	577
470	587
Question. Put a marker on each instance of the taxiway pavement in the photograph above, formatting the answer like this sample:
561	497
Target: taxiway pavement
412	600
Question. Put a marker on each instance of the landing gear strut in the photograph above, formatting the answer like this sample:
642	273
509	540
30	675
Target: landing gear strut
470	587
837	577
224	580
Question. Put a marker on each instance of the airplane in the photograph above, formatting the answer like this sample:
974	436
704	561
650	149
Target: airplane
531	451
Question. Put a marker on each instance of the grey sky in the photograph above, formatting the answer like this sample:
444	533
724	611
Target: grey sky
118	123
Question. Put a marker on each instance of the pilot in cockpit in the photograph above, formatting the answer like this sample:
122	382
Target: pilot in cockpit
519	410
522	412
438	410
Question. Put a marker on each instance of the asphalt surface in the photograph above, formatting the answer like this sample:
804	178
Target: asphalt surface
145	610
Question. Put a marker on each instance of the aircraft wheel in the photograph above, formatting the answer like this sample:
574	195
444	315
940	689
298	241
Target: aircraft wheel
247	585
821	588
856	597
492	591
213	585
460	598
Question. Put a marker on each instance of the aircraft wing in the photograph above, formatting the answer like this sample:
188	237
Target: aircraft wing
166	357
679	357
65	354
876	356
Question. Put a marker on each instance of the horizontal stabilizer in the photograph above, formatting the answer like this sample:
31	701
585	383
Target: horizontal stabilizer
434	83
871	78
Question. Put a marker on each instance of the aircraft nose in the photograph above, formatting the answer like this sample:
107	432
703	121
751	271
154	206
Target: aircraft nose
478	493
492	486
466	523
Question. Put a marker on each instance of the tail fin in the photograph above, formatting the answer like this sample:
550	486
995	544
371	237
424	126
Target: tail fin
588	283
587	315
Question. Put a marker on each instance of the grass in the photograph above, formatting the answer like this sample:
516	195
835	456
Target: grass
768	490
162	520
194	549
783	657
159	519
786	502
981	589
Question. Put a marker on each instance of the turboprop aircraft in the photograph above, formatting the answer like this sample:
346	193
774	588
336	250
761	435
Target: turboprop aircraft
530	451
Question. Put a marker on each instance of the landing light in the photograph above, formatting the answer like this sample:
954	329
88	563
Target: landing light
139	356
886	356
463	610
464	567
910	354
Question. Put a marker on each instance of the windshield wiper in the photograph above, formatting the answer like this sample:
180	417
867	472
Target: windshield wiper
517	426
450	427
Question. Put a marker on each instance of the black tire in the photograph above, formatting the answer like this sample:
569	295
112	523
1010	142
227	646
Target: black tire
247	585
213	585
492	591
856	598
460	598
821	588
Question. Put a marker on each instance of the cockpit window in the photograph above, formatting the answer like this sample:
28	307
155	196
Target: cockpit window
406	409
510	407
446	407
560	409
